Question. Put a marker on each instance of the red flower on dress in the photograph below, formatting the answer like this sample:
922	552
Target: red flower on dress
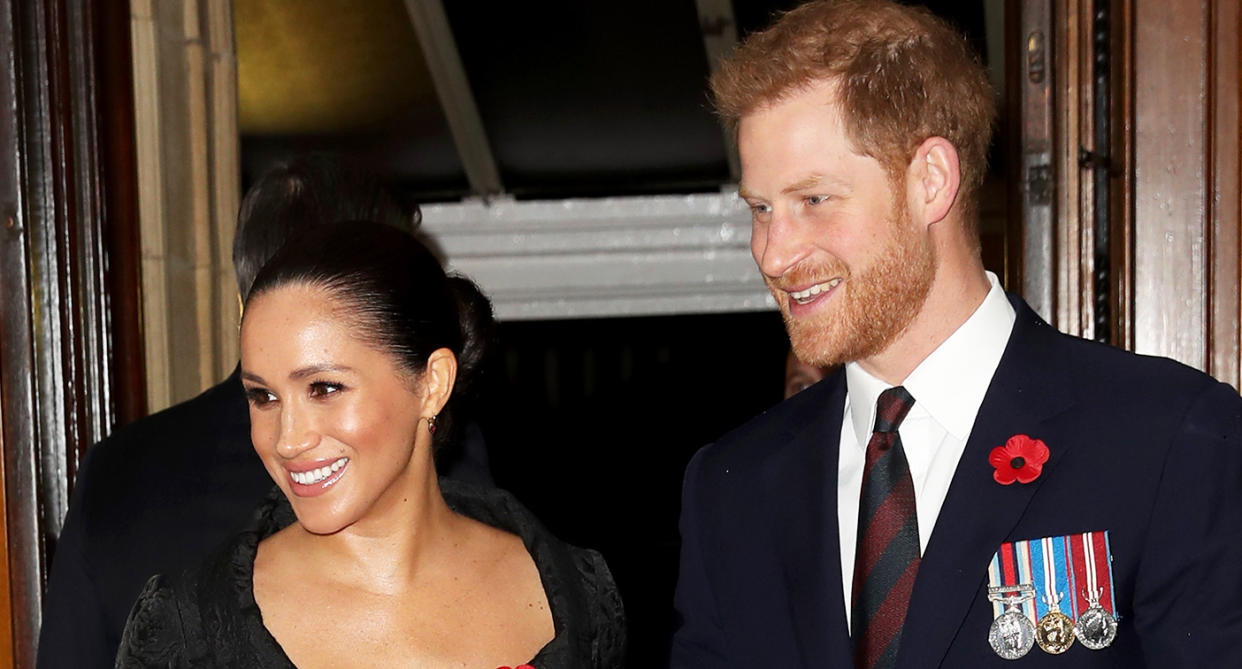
1021	459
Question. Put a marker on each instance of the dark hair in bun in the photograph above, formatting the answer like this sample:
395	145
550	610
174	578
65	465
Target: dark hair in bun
304	193
397	296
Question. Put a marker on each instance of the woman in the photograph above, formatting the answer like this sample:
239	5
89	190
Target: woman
355	351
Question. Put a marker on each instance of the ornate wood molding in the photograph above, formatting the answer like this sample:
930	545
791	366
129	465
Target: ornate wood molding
56	336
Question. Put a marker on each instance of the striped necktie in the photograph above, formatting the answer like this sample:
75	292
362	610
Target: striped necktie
887	557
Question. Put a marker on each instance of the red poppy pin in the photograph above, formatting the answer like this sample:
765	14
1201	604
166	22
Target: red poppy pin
520	666
1021	459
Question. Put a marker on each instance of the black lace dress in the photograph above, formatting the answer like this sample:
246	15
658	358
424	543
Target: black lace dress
207	617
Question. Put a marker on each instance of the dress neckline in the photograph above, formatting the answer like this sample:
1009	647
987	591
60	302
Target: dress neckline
492	506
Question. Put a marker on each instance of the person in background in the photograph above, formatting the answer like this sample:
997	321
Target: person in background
973	487
354	346
160	493
799	376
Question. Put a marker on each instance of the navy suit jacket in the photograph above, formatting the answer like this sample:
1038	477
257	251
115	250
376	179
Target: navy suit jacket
1145	448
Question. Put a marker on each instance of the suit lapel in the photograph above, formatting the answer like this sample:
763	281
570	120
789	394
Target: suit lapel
978	513
802	484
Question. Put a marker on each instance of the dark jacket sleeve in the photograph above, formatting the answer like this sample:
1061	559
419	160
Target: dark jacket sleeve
698	640
154	635
75	632
1188	589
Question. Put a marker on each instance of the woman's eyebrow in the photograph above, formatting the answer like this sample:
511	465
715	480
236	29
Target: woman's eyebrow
311	370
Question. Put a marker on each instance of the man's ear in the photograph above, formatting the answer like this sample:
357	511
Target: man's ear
933	180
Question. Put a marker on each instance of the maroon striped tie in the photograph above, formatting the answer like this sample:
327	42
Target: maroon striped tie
887	559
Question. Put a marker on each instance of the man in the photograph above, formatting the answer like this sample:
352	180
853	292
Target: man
156	496
973	486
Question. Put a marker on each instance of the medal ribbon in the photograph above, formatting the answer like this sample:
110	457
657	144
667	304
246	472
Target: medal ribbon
1054	579
1011	566
1091	556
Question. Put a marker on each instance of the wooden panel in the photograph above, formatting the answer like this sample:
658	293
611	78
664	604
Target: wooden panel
1171	179
1072	237
55	353
120	196
1225	308
1032	68
1058	125
1122	297
6	608
17	409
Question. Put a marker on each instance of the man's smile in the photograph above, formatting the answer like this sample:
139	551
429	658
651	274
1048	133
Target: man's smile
808	295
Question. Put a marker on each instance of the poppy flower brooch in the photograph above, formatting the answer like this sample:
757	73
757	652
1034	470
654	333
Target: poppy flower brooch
1021	459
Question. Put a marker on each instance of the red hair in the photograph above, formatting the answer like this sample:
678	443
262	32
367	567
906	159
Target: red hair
902	75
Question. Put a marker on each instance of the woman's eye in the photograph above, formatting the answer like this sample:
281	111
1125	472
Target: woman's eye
324	388
259	396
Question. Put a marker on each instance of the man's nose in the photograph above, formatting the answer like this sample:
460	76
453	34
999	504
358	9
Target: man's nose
779	244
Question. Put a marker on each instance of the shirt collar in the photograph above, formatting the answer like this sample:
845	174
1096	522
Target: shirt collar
950	382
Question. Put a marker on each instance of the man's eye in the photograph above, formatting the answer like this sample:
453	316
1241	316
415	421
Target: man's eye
760	208
816	199
324	388
259	396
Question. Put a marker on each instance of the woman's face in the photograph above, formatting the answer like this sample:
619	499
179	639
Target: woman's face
335	421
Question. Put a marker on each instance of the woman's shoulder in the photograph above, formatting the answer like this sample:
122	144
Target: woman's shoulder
186	618
154	634
605	610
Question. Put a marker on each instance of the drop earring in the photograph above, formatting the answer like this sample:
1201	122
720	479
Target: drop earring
431	425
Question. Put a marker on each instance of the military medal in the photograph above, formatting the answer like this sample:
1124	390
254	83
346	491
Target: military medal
1012	633
1030	581
1055	632
1012	594
1096	627
1050	567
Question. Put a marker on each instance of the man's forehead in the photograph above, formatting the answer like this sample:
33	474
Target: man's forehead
798	183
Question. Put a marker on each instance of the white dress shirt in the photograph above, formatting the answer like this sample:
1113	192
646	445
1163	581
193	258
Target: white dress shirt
948	387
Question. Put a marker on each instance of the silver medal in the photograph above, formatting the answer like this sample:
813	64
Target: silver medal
1096	627
1012	634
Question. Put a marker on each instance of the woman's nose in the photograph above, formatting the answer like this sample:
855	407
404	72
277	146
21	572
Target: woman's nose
297	434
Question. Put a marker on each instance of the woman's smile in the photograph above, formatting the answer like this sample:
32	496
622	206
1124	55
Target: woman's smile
311	479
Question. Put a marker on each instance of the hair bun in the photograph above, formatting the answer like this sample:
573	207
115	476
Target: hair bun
478	333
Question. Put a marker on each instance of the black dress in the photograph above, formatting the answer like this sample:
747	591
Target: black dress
207	617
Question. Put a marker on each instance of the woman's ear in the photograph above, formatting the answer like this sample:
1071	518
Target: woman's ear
934	178
438	378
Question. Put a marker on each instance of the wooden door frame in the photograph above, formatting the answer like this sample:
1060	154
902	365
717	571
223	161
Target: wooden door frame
1170	167
65	262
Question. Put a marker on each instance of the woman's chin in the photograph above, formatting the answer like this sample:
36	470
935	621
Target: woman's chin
323	520
321	526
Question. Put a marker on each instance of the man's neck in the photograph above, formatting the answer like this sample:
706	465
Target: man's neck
954	296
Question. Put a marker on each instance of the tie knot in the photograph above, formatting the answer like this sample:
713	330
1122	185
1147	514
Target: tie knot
892	408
